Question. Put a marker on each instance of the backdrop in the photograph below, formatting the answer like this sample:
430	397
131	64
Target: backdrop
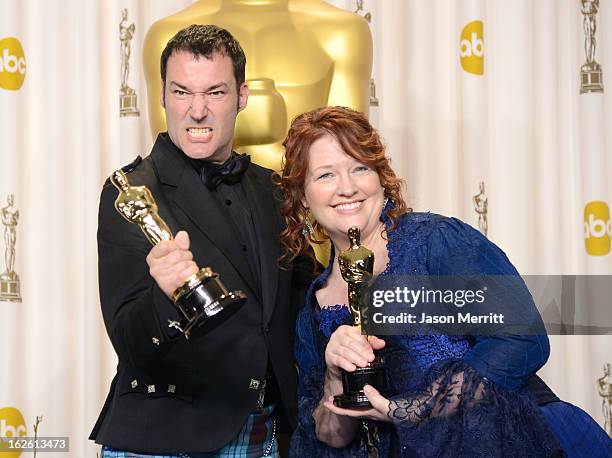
467	90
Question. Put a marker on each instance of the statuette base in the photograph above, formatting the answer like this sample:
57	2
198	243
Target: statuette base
203	297
591	78
9	287
353	395
128	105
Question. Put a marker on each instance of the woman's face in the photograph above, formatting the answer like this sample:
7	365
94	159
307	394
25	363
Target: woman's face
341	192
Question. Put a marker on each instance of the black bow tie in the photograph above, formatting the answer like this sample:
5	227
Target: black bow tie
230	172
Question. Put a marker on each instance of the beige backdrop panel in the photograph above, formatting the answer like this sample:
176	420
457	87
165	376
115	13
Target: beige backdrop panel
543	149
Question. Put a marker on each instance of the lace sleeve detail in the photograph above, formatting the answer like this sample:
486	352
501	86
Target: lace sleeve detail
442	398
458	410
331	317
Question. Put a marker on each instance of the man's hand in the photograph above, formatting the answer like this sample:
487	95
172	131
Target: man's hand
171	263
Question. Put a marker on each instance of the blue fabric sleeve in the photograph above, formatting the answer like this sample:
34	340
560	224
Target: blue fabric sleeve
458	413
458	249
470	406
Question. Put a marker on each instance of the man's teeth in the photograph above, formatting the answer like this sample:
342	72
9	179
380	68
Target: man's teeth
200	132
348	206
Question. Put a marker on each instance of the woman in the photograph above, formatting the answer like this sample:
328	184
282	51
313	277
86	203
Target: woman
451	395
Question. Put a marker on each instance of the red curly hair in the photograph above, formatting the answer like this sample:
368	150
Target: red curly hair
357	138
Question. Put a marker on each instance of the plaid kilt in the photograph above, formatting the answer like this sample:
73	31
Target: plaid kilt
257	436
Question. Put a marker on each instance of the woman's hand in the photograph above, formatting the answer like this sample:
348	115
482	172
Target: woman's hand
379	410
348	349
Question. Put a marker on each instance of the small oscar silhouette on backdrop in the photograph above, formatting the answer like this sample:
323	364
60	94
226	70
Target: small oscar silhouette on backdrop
604	386
9	280
128	101
591	79
481	206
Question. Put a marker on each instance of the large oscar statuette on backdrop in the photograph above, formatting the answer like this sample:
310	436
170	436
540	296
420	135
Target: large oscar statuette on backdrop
202	296
357	265
300	67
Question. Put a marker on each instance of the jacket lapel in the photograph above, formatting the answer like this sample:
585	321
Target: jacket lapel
198	205
263	210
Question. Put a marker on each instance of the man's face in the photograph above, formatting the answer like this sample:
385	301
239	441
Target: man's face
201	104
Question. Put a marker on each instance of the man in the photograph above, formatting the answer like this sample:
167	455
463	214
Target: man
224	390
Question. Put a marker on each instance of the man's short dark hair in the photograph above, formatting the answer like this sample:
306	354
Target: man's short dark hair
206	40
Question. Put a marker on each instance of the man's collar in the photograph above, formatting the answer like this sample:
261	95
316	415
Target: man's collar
212	175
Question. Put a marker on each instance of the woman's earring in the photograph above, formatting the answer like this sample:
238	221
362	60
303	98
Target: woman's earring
308	230
385	200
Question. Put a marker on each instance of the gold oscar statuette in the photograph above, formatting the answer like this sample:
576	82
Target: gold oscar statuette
202	295
357	267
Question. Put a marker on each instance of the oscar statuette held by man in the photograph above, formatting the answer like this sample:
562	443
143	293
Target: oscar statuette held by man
202	295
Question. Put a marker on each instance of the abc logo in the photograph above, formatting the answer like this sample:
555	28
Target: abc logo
597	228
12	424
471	48
12	64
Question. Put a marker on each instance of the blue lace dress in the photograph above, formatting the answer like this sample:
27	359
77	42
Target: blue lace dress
496	414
